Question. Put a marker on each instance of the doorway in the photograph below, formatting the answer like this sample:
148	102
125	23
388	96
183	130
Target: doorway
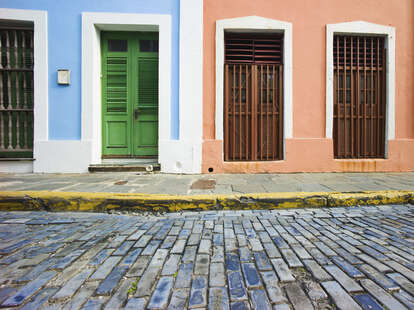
129	94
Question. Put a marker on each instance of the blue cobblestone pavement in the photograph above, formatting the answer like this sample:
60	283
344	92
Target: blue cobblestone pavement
336	258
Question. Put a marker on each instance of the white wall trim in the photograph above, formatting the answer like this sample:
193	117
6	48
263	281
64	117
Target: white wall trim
252	23
191	85
41	117
361	27
92	25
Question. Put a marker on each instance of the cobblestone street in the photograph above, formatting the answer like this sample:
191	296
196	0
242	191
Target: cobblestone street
338	258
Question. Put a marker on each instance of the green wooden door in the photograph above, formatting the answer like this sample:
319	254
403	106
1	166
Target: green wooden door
129	94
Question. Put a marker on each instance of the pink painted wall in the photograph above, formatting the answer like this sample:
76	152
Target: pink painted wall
309	150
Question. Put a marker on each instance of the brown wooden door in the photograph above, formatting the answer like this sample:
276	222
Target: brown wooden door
253	98
359	97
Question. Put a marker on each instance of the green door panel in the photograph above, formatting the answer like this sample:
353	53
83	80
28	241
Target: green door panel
129	94
146	108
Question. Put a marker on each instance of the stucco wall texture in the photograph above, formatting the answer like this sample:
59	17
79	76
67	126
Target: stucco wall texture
309	150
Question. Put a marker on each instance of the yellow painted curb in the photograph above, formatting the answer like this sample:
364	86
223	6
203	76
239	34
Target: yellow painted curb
103	202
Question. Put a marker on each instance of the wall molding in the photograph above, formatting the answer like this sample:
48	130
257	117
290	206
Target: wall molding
191	88
246	24
363	28
92	25
40	72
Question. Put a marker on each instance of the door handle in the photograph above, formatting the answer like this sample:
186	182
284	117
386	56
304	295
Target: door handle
136	111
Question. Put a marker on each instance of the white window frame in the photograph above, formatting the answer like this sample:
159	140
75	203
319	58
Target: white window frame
252	24
362	28
40	76
92	25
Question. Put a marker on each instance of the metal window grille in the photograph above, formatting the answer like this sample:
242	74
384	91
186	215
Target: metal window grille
16	91
359	96
253	97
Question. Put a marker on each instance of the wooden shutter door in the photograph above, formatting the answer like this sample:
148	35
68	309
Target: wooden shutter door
115	95
359	97
146	110
253	97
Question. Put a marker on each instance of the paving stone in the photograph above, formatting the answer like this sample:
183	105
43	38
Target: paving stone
230	245
205	246
39	299
245	254
218	239
143	241
236	286
218	299
139	266
104	269
403	282
239	305
292	260
271	250
124	248
349	284
120	296
28	290
94	304
178	247
381	279
183	278
315	291
280	242
251	275
373	262
100	257
401	269
189	254
5	292
281	307
217	274
202	264
282	270
256	245
131	257
367	302
179	299
232	262
262	261
317	271
340	296
198	293
348	268
108	285
319	256
259	300
301	252
194	239
218	254
146	282
171	265
168	242
135	303
405	298
381	295
136	235
151	247
161	294
73	284
67	260
298	297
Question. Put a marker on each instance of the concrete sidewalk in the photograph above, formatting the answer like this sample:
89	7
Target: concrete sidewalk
167	192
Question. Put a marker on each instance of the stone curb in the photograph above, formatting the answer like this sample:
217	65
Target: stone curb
105	202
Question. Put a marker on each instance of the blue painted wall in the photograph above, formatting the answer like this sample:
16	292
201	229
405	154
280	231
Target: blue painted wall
64	36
